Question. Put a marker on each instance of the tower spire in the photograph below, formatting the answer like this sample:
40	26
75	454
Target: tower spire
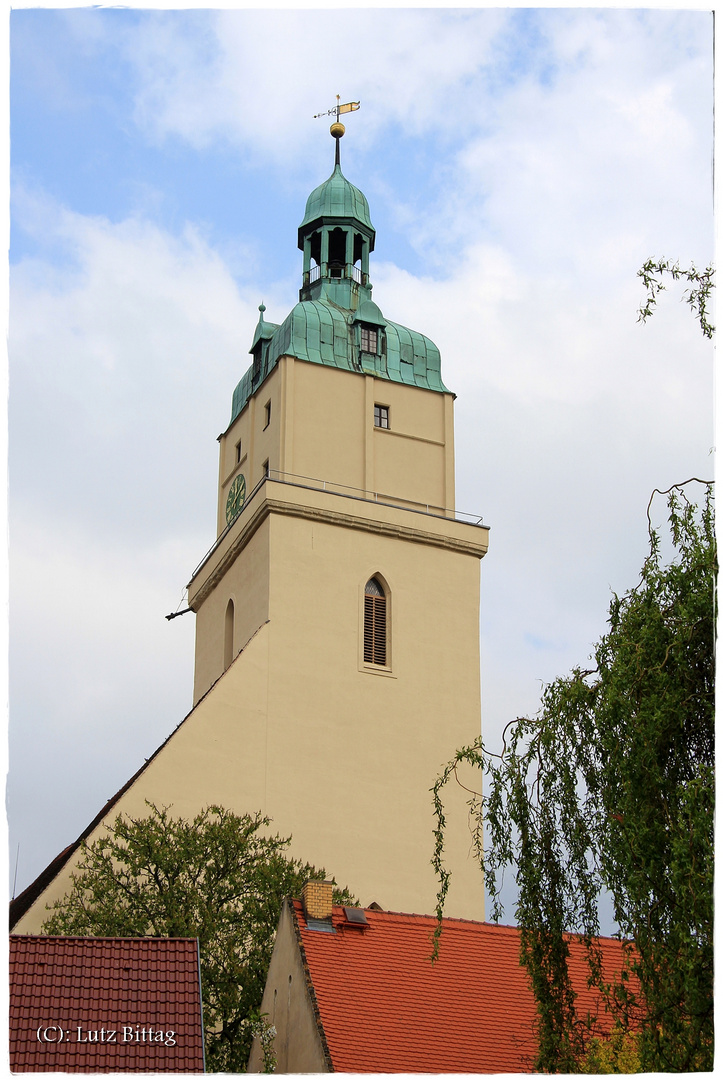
337	129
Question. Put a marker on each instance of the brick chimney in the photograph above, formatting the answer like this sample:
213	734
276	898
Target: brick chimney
316	896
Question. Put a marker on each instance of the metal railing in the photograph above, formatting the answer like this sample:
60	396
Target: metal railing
346	491
338	272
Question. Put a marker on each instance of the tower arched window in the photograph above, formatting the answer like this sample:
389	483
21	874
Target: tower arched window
375	623
337	252
228	635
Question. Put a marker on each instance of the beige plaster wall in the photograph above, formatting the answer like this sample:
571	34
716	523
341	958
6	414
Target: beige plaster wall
367	743
288	1007
247	584
259	443
410	469
322	427
328	416
339	754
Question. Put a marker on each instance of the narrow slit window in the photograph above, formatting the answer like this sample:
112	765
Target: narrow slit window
375	623
267	414
228	635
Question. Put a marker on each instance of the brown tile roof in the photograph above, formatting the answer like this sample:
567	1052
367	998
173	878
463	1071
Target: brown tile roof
383	1007
68	994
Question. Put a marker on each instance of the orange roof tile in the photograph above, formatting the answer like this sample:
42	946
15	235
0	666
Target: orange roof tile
67	995
384	1007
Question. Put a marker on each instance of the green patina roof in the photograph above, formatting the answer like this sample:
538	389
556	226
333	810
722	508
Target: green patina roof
368	312
323	327
336	197
322	333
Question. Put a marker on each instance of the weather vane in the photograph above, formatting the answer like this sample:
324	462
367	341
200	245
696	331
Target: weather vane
337	129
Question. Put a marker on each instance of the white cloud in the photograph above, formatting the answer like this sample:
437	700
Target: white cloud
258	77
255	78
123	359
134	338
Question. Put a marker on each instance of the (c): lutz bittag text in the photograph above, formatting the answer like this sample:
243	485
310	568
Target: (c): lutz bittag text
125	1035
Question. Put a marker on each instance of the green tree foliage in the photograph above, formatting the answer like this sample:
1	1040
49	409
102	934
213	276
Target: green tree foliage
616	1053
219	878
611	787
655	271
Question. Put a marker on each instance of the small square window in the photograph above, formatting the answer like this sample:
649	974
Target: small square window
267	414
368	339
381	416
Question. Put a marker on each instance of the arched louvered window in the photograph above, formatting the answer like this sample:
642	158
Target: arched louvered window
375	623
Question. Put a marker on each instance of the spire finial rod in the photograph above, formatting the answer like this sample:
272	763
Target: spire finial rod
337	129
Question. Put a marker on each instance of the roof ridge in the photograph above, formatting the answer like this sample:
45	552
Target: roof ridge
475	924
99	938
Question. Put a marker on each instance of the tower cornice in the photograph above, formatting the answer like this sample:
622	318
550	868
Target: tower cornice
283	497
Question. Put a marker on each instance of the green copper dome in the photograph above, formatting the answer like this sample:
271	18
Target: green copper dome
321	333
336	323
336	197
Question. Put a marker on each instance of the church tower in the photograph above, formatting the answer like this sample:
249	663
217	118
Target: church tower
337	614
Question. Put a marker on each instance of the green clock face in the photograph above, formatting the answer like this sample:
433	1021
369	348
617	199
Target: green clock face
236	497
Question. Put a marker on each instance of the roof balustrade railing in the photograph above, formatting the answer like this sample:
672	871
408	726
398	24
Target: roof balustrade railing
347	492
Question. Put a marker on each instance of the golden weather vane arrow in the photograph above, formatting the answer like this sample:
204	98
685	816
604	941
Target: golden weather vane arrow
337	129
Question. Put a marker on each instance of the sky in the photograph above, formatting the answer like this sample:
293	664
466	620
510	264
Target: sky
520	166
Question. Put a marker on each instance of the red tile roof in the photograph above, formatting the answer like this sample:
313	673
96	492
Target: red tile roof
384	1007
68	994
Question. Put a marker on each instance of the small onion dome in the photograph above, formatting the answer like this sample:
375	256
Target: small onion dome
337	130
264	331
336	197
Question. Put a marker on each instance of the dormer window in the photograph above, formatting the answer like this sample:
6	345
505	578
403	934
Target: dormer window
369	339
256	374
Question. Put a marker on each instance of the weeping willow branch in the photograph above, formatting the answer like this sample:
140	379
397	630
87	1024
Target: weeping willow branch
610	787
698	296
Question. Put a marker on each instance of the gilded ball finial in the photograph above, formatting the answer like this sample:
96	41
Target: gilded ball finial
337	129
